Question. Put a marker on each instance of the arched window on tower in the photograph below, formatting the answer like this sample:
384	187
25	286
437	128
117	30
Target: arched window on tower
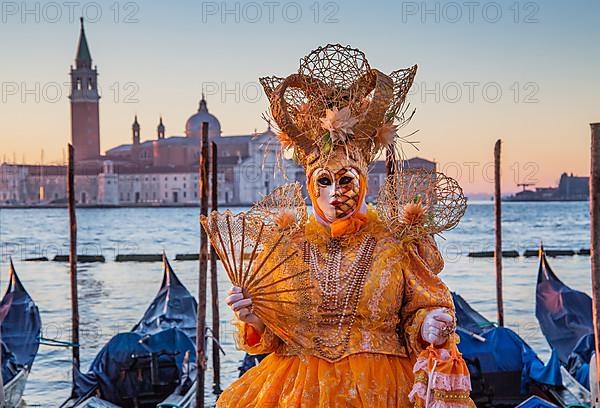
78	84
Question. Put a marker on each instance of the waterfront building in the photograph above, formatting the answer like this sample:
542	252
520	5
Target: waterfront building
153	168
570	188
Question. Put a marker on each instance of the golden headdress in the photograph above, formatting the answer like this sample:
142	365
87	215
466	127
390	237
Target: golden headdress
336	100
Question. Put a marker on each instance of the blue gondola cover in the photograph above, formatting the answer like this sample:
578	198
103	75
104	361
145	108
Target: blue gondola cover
536	402
166	333
502	354
565	317
564	314
21	327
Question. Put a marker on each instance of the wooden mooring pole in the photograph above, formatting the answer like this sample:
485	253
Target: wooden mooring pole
2	399
498	229
595	238
214	284
203	259
73	260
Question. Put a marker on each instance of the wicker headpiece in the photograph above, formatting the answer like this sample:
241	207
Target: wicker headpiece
337	100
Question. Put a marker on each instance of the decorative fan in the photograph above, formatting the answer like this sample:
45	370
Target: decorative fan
254	249
417	202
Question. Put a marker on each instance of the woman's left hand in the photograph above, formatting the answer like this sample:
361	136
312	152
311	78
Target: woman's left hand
437	327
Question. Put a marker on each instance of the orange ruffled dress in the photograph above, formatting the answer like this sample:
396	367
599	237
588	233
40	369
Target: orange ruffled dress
373	364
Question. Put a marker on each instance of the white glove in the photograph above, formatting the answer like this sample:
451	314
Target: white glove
437	326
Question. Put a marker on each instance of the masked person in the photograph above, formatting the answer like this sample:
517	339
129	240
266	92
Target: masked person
369	324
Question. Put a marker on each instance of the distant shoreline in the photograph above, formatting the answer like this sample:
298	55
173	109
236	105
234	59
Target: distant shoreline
46	206
511	199
64	206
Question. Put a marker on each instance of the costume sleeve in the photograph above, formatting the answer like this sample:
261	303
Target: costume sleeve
429	253
251	341
423	290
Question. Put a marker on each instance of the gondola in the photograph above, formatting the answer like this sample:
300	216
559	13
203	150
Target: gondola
153	365
21	330
505	371
565	317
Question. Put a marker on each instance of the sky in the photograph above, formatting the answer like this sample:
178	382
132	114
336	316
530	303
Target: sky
525	72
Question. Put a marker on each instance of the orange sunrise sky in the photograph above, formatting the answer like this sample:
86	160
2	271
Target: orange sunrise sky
528	76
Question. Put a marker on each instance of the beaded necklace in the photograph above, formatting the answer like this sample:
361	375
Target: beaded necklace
339	300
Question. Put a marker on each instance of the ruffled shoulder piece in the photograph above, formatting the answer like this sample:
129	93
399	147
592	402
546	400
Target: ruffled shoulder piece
415	203
284	209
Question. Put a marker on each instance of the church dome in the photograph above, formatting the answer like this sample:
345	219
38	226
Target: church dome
193	126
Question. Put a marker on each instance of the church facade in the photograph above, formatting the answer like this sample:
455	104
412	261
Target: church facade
160	170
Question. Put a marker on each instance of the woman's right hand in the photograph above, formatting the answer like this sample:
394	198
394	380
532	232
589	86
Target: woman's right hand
242	308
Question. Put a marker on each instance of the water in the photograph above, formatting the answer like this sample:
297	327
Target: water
114	295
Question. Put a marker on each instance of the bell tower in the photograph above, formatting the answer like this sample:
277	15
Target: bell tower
85	117
135	130
160	129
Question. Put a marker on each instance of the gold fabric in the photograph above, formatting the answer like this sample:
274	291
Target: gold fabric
374	367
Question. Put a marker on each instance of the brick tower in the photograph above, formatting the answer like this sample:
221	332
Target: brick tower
85	121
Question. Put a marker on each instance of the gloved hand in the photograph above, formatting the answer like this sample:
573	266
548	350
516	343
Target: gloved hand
242	308
437	326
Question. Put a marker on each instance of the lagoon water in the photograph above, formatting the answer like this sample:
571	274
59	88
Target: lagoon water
113	295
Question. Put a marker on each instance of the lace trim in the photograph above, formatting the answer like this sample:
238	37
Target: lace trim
452	382
420	390
448	382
